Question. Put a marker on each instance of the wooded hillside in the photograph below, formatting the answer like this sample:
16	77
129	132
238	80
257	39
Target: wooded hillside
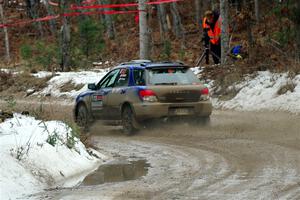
65	35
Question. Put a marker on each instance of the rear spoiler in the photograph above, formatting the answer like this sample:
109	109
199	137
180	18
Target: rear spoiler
155	66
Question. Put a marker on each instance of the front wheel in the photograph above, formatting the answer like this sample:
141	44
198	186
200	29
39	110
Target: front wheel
82	119
129	122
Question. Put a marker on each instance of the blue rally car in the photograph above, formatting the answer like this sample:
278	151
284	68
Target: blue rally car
143	90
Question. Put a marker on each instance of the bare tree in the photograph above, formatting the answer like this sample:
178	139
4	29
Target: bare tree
198	6
50	12
32	12
101	16
144	31
65	39
297	28
7	56
257	12
224	30
177	25
108	21
249	22
163	25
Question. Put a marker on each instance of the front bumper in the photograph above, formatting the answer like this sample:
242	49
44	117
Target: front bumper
145	111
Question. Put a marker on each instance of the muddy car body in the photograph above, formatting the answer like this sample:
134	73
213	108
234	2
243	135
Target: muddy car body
141	90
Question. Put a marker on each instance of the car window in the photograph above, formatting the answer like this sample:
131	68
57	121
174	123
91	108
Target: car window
110	79
139	76
122	78
172	76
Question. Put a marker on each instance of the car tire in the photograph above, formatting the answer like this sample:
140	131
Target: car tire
82	118
129	122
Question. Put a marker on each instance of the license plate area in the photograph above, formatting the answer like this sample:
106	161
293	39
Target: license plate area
181	111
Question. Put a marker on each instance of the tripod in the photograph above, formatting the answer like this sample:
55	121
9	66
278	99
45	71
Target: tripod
205	54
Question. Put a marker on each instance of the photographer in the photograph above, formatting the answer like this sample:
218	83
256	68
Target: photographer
212	35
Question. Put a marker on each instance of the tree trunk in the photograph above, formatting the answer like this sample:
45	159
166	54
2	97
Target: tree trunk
51	22
249	34
257	13
297	29
177	25
212	4
101	15
109	24
224	30
32	11
163	25
206	5
198	7
144	31
7	55
66	39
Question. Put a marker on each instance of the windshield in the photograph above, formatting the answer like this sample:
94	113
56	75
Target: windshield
172	76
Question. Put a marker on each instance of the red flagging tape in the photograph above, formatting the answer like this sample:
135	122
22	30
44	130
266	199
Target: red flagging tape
162	1
53	3
88	1
110	12
74	7
47	18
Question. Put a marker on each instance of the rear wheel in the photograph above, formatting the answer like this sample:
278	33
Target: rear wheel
82	119
129	122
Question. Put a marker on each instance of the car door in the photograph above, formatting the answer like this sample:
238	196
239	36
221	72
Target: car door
118	93
100	99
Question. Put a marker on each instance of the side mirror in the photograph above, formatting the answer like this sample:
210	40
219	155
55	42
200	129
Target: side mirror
92	86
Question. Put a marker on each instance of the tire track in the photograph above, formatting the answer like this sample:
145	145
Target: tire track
231	159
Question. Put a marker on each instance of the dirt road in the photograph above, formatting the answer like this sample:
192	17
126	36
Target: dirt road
241	155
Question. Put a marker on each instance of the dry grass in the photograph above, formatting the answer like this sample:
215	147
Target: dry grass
6	80
69	86
285	88
225	77
44	110
11	83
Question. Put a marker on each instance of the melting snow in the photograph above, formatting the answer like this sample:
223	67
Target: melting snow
262	93
29	163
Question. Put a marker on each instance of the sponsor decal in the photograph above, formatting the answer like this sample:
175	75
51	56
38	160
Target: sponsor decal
97	97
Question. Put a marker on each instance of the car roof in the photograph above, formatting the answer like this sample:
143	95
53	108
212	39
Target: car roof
149	64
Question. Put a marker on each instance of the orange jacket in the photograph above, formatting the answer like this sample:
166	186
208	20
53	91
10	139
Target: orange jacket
215	34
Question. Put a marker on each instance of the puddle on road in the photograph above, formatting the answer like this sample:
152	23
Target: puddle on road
117	172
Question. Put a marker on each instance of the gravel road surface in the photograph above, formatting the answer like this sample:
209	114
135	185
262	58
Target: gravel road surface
241	155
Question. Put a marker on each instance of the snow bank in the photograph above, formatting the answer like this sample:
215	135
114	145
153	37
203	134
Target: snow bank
262	93
254	94
29	163
62	78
